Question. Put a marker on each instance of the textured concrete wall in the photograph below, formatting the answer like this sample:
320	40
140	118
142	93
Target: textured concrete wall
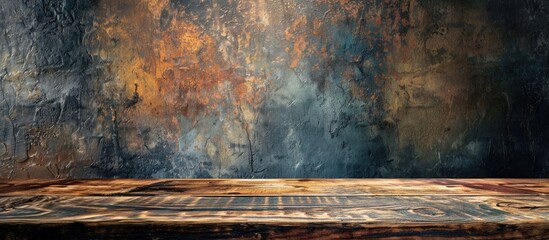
274	88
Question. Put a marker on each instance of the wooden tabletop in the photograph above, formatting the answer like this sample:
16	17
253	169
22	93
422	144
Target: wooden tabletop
274	208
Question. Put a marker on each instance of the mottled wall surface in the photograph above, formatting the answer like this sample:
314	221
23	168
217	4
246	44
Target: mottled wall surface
274	88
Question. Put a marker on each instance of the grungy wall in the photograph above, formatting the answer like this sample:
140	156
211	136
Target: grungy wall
274	88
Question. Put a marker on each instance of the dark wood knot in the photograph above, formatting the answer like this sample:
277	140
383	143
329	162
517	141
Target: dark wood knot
428	211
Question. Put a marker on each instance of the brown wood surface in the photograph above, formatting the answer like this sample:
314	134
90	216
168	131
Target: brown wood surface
275	208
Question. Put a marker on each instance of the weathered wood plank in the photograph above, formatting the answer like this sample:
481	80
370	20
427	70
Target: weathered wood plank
285	208
212	187
265	209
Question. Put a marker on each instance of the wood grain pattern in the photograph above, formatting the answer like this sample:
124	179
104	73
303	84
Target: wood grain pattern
255	187
287	209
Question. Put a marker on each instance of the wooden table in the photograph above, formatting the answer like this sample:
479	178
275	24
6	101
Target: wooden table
275	208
